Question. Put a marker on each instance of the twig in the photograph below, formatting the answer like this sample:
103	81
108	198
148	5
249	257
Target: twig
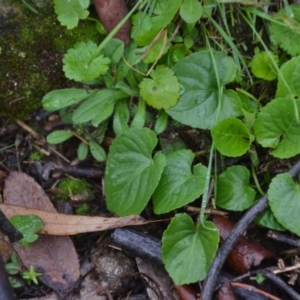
282	284
235	234
283	238
254	289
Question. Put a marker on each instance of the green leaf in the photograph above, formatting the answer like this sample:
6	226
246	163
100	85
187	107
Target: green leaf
145	27
233	189
159	48
83	63
267	219
114	50
97	151
58	136
276	127
291	75
121	117
28	226
179	186
162	91
132	174
58	99
198	104
82	151
161	122
284	201
187	251
231	137
98	107
287	34
262	66
70	12
191	11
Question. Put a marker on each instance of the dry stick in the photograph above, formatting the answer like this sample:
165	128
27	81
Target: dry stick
235	234
282	284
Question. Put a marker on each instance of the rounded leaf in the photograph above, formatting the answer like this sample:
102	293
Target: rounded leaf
187	251
231	137
284	201
132	174
191	11
83	63
162	91
233	189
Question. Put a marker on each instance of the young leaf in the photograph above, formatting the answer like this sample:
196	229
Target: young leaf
261	65
162	91
286	35
187	252
198	104
191	11
58	136
58	99
233	189
178	186
276	127
284	199
132	174
231	137
291	75
145	28
161	122
82	63
97	151
99	106
70	12
82	151
28	226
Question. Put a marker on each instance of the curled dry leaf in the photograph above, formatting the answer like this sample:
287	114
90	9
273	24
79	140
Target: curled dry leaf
247	253
110	13
62	224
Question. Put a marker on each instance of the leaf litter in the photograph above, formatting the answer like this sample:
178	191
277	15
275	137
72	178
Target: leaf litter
53	254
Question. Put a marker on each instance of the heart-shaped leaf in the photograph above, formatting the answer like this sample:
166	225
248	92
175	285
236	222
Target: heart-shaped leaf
187	251
231	137
198	104
178	185
276	127
233	189
284	200
131	174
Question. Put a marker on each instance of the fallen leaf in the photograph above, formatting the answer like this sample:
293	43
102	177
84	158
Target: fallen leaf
54	256
62	224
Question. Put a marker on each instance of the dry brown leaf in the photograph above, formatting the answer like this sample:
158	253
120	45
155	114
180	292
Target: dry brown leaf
61	224
54	256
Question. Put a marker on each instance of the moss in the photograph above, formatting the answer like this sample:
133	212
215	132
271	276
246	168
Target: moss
32	48
74	187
